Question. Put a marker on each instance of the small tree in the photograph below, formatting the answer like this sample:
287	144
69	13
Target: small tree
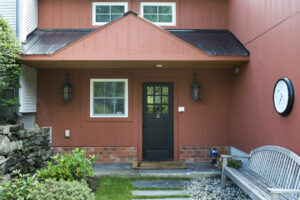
10	68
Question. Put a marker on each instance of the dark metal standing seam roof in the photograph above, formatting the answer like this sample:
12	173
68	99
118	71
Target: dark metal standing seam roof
213	42
45	42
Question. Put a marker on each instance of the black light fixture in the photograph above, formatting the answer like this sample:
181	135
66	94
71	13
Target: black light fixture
195	89
67	89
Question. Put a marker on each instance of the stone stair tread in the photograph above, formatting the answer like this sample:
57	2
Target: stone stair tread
160	183
158	192
168	199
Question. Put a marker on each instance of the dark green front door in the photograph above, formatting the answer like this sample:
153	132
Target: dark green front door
157	121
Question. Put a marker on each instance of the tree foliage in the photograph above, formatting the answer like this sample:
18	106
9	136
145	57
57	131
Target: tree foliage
10	68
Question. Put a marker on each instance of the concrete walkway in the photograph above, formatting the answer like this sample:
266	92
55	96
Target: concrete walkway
195	169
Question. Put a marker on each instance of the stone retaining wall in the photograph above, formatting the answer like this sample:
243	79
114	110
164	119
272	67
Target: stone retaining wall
200	153
26	150
105	154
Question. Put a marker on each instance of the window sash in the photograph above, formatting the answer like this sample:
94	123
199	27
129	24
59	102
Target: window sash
108	98
111	15
159	15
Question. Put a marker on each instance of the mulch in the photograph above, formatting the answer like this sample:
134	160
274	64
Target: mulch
93	183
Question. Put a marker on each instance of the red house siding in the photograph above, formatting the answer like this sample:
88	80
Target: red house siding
77	14
204	123
270	31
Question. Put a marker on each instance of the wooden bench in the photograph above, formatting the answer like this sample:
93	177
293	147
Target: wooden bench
272	172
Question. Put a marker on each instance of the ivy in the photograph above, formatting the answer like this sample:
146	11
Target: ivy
10	67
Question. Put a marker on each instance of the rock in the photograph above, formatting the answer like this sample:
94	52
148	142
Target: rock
15	128
5	178
6	129
15	145
21	133
4	145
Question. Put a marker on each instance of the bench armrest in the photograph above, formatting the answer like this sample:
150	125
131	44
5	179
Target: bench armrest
283	191
232	156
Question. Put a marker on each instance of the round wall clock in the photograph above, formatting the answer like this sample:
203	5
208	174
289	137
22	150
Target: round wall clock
283	96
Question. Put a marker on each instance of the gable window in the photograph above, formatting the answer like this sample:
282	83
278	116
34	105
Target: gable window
159	13
109	98
104	12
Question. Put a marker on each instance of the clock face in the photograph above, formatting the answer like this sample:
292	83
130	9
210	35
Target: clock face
283	96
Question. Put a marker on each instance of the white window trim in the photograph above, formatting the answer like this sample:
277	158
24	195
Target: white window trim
125	115
173	4
94	4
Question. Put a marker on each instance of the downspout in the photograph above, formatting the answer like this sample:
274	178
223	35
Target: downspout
18	33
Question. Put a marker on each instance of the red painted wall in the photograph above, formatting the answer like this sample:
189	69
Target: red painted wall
203	123
270	30
77	14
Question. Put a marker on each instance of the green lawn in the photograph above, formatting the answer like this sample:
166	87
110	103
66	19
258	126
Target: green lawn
114	188
119	188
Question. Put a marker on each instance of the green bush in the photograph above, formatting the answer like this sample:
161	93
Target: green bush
69	167
62	190
19	188
9	63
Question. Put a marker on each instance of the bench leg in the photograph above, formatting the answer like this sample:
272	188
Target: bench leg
223	180
274	196
223	177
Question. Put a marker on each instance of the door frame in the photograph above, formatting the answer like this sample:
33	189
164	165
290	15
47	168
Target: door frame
175	114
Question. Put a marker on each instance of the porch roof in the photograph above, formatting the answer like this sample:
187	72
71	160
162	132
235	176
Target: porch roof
132	38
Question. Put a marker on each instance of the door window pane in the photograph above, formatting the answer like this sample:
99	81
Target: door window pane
150	90
150	100
165	109
157	109
157	90
150	109
157	99
165	90
165	99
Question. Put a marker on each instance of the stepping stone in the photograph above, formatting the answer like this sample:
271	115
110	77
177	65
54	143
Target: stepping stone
169	199
160	183
158	192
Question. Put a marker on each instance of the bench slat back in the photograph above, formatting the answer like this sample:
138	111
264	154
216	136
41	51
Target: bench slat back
276	164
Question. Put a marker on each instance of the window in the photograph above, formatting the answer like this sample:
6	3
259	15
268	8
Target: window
109	98
163	14
104	12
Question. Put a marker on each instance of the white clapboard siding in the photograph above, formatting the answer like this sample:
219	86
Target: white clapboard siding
31	16
28	17
27	92
8	9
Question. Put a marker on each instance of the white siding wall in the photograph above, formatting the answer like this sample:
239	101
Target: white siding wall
30	17
27	92
8	8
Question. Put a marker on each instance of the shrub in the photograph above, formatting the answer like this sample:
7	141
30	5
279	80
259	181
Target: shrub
19	188
69	167
9	63
62	190
230	163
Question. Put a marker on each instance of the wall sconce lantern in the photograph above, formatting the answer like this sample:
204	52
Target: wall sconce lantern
67	89
195	89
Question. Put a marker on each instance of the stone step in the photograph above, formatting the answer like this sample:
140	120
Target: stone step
160	183
158	192
168	199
